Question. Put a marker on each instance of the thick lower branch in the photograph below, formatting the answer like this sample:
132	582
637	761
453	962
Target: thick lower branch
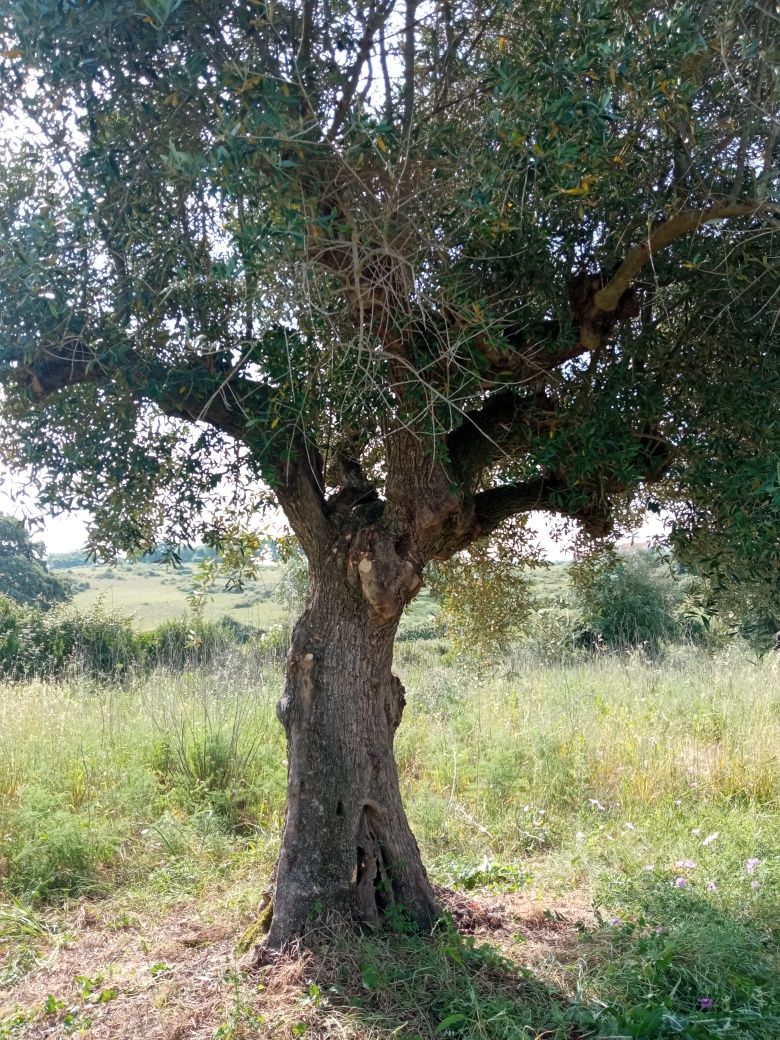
200	392
504	425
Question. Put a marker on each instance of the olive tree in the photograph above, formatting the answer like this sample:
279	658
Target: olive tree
411	269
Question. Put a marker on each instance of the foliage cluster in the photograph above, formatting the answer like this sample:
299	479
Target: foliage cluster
24	576
473	263
101	644
632	600
606	601
485	594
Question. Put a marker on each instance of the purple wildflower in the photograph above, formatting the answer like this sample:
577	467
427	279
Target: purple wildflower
685	864
680	882
750	865
706	1003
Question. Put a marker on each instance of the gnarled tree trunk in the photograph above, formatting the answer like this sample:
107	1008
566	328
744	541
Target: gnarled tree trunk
347	847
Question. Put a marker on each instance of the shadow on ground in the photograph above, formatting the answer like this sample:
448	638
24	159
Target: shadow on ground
515	968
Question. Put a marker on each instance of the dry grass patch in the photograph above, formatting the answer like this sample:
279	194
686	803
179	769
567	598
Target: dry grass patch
107	975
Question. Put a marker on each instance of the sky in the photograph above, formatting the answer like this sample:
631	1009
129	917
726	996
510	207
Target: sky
60	534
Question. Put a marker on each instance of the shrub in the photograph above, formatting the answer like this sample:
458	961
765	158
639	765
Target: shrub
22	640
188	642
102	645
629	601
96	643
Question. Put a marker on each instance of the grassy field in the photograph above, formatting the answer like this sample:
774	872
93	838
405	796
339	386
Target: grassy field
610	830
152	593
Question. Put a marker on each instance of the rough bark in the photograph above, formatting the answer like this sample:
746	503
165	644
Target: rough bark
347	847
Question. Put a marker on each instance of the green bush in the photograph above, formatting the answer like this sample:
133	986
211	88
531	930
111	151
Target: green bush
34	644
187	642
96	643
103	645
22	640
633	601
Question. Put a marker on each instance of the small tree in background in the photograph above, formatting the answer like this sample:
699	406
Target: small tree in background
24	576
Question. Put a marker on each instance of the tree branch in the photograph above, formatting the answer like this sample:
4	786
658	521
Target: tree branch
408	62
505	423
496	505
487	510
201	393
377	17
684	222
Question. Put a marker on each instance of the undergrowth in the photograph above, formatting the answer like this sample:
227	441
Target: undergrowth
638	799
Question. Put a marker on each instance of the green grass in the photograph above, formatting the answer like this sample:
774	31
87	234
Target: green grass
635	793
153	593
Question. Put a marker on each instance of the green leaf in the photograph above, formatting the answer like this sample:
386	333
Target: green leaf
450	1022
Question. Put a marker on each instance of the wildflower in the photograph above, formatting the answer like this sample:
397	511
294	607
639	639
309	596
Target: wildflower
597	804
711	837
706	1003
750	865
630	826
660	930
680	882
685	864
711	886
615	921
678	801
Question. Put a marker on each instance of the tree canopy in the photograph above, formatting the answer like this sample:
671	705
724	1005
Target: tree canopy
24	577
541	243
